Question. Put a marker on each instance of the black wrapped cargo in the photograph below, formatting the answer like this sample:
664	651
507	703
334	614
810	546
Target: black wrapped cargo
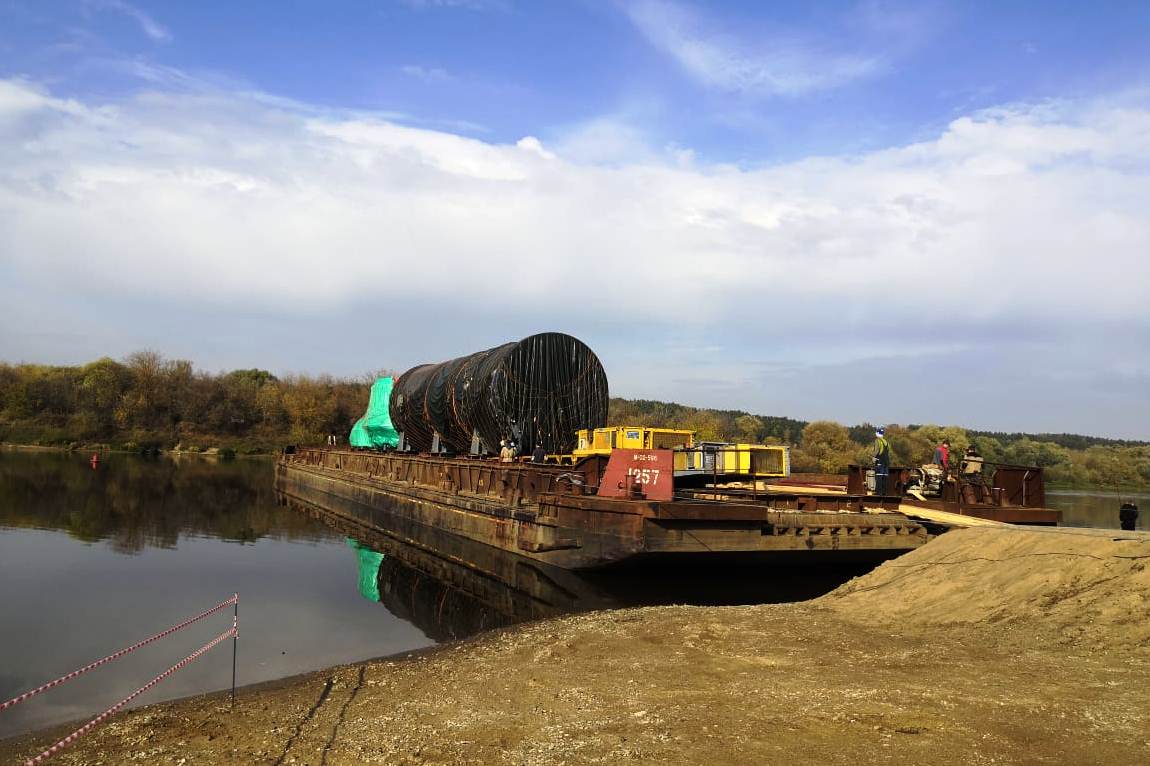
539	390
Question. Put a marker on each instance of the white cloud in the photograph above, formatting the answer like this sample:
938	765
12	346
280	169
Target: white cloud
1030	216
149	26
606	140
775	64
1018	228
471	5
427	74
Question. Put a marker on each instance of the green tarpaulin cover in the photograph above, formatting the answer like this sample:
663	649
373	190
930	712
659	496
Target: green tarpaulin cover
369	562
374	429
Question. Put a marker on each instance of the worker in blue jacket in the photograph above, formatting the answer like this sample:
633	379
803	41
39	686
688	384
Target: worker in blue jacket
881	461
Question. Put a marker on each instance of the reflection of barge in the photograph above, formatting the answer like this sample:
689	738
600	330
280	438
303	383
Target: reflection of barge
590	514
451	588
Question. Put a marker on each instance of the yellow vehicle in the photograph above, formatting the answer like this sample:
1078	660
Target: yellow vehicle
601	441
726	459
691	458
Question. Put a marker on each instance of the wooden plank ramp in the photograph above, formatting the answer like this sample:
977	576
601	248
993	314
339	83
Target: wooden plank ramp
957	520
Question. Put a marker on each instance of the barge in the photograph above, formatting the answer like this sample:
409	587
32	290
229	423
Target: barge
592	496
592	514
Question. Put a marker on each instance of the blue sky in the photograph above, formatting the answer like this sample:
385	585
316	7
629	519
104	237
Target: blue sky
896	212
845	76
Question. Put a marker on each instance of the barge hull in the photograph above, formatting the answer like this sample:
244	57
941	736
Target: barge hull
544	513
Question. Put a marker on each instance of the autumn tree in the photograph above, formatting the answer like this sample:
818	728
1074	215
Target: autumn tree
828	444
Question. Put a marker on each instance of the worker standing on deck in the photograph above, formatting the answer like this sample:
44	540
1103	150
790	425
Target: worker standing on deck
942	460
506	452
539	455
972	466
881	461
942	455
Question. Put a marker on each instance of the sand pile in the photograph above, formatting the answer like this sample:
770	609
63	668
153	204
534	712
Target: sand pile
1084	587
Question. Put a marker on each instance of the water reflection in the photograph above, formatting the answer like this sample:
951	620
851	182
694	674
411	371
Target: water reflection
132	502
92	561
452	588
1090	508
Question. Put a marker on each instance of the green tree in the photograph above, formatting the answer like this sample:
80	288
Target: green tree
706	424
1050	454
828	445
750	428
102	385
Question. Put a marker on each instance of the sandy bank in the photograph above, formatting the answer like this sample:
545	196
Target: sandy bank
985	646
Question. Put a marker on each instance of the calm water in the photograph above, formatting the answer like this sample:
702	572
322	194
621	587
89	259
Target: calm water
1097	509
93	560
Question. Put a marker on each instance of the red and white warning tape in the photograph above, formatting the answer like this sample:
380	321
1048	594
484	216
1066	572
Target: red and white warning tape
121	653
86	727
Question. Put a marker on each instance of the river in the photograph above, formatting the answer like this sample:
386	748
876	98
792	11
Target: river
96	558
92	560
1099	509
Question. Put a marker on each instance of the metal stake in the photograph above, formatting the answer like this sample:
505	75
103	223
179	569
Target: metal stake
235	637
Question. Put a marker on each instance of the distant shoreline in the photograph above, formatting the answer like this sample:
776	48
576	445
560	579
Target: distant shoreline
105	449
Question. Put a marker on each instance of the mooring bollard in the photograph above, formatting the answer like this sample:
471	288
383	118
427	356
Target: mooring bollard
1128	517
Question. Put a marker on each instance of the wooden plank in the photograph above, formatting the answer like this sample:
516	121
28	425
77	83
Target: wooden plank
945	517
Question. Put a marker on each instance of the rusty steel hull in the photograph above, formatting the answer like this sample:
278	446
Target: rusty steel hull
547	513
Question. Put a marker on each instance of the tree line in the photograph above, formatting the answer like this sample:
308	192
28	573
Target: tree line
146	401
828	447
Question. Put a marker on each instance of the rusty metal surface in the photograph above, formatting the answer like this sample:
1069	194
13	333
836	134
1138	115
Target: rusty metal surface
639	474
1009	486
1021	485
514	483
1014	494
550	514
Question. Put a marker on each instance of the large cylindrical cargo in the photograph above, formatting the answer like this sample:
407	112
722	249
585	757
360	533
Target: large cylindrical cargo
537	391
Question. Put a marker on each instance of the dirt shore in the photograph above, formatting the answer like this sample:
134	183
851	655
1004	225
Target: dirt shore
987	646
